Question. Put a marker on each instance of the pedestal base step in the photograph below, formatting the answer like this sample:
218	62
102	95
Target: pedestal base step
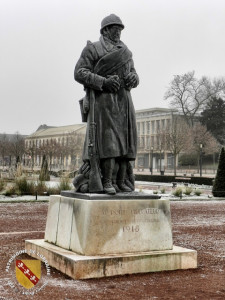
84	267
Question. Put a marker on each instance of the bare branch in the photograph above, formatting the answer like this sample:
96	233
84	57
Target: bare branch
189	94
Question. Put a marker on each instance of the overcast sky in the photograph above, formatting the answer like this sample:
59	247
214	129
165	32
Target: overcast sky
41	40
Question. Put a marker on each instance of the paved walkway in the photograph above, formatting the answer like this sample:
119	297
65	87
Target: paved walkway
24	199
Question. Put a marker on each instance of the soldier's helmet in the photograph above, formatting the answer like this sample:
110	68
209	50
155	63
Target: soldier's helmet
111	20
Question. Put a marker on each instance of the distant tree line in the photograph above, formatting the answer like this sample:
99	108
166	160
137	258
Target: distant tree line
70	146
179	137
12	148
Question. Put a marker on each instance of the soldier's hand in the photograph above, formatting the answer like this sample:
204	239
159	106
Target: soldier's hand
111	84
131	80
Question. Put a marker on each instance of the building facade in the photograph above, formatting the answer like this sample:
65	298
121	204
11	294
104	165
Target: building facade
62	146
151	123
62	151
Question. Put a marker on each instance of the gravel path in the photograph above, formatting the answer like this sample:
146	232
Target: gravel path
197	225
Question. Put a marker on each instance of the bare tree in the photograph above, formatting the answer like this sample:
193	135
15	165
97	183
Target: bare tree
31	150
17	146
74	147
4	147
189	94
70	146
178	137
51	149
201	136
161	143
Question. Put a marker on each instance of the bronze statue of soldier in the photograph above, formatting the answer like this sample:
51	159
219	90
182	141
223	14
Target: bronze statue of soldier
106	70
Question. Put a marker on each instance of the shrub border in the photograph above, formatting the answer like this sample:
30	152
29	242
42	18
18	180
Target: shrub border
165	178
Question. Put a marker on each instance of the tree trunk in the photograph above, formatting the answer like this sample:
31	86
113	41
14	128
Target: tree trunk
160	160
175	165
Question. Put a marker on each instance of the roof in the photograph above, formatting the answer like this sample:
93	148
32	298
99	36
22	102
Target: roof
155	110
57	131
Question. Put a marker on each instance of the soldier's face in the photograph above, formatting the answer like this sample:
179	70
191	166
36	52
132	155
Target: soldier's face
114	32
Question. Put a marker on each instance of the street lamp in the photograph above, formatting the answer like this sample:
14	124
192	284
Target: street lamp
151	160
200	161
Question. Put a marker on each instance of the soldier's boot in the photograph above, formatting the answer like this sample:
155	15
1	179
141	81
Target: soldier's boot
121	177
129	184
114	183
123	187
107	166
108	188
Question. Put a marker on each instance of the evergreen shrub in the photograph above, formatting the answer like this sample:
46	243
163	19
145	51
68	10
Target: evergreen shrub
44	174
218	189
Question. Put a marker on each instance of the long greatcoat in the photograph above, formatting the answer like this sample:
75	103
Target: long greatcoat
116	133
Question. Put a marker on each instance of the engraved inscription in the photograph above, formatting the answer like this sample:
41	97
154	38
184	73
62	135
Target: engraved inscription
146	211
123	212
133	228
129	218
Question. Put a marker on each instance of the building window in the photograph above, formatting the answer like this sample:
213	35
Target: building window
148	128
139	141
158	125
143	127
152	141
153	126
157	142
168	125
138	128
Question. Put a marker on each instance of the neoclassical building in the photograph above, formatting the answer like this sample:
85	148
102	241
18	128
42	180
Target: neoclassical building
62	145
150	122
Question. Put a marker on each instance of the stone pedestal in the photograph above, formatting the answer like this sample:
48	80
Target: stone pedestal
84	267
106	226
90	235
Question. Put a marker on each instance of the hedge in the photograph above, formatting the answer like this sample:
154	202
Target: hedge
165	178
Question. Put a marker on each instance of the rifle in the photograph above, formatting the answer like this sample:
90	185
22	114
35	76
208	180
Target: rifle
95	182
